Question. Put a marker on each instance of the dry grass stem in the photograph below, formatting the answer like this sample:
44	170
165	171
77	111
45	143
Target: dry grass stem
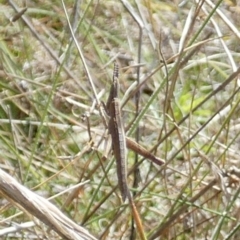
41	208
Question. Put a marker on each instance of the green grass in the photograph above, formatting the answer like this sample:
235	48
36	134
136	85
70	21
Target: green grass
188	113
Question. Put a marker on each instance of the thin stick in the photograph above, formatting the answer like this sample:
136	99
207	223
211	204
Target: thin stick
134	146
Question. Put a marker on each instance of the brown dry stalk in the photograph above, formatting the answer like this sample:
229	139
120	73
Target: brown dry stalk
134	146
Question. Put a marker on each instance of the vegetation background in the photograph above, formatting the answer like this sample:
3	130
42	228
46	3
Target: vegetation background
52	137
